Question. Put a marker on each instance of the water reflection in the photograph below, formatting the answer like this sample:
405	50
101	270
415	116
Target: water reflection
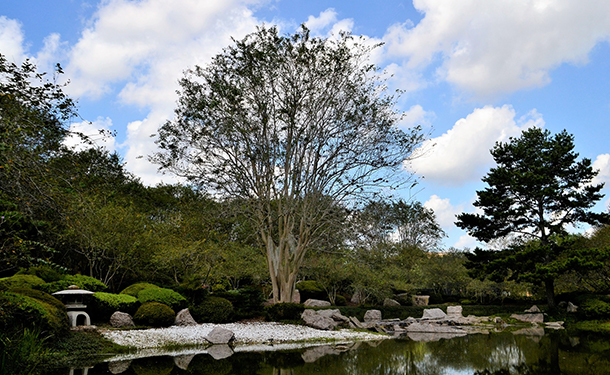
491	354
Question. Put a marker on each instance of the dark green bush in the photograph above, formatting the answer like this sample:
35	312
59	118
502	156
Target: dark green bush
103	305
340	301
213	310
594	308
311	289
247	302
47	273
154	314
166	296
18	312
134	289
83	282
41	296
404	299
284	311
20	281
193	291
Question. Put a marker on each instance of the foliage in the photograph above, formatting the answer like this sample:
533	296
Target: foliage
45	272
284	311
594	307
67	351
136	288
154	314
103	305
295	127
18	312
247	302
20	281
40	296
164	296
310	289
537	189
82	281
213	310
22	353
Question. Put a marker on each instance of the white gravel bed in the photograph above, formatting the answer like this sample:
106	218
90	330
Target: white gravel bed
245	333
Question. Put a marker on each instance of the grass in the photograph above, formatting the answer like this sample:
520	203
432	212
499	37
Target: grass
596	326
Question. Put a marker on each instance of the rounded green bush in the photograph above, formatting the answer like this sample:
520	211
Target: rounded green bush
18	312
594	308
134	289
83	282
154	314
41	296
340	301
213	310
284	311
166	296
103	305
20	281
47	273
311	289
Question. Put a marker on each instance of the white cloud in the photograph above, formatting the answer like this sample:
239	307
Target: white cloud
491	47
462	153
97	131
11	40
317	25
443	209
602	164
416	115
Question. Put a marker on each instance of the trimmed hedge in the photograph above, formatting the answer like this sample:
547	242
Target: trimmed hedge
213	310
83	282
20	281
154	314
165	296
47	273
284	311
311	289
136	288
105	304
41	296
18	312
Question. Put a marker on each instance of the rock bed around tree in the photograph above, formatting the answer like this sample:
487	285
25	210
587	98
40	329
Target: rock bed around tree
245	333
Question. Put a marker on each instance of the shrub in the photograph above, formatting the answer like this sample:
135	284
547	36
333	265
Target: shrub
136	288
105	304
154	314
311	289
193	291
247	302
213	310
18	312
594	308
47	273
83	282
340	301
165	296
284	311
20	281
40	296
22	352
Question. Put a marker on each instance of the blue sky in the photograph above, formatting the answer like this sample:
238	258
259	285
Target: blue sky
474	72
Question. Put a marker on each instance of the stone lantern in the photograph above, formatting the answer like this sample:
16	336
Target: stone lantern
75	306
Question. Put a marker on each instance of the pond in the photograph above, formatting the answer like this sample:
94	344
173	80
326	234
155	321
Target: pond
479	354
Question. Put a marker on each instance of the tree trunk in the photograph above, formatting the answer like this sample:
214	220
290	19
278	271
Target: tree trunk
549	285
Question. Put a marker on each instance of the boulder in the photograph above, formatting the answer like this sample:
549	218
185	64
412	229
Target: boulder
454	311
572	308
220	336
498	320
529	317
313	319
184	318
554	325
220	351
121	320
372	316
118	367
390	302
183	361
355	322
421	300
533	309
316	303
313	354
296	296
433	328
334	314
430	314
356	298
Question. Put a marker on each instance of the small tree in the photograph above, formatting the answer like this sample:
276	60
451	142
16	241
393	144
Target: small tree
536	191
293	125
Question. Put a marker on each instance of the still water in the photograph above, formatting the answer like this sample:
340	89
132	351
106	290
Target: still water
480	354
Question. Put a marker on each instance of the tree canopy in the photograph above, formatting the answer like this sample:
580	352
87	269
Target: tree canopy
296	126
536	192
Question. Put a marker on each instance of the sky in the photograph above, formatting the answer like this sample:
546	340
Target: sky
473	72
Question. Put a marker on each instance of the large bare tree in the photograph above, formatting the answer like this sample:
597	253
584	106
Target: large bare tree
295	126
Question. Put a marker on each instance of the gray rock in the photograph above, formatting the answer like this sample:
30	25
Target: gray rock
434	314
220	351
533	309
421	300
454	311
118	367
334	314
318	321
183	361
184	318
433	336
372	316
220	336
315	353
356	298
529	317
355	322
316	303
121	320
572	308
390	302
296	296
498	320
432	328
554	325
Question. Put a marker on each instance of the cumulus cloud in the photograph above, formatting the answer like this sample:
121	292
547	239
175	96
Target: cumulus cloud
11	40
328	24
443	209
98	132
491	47
416	115
602	164
462	153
